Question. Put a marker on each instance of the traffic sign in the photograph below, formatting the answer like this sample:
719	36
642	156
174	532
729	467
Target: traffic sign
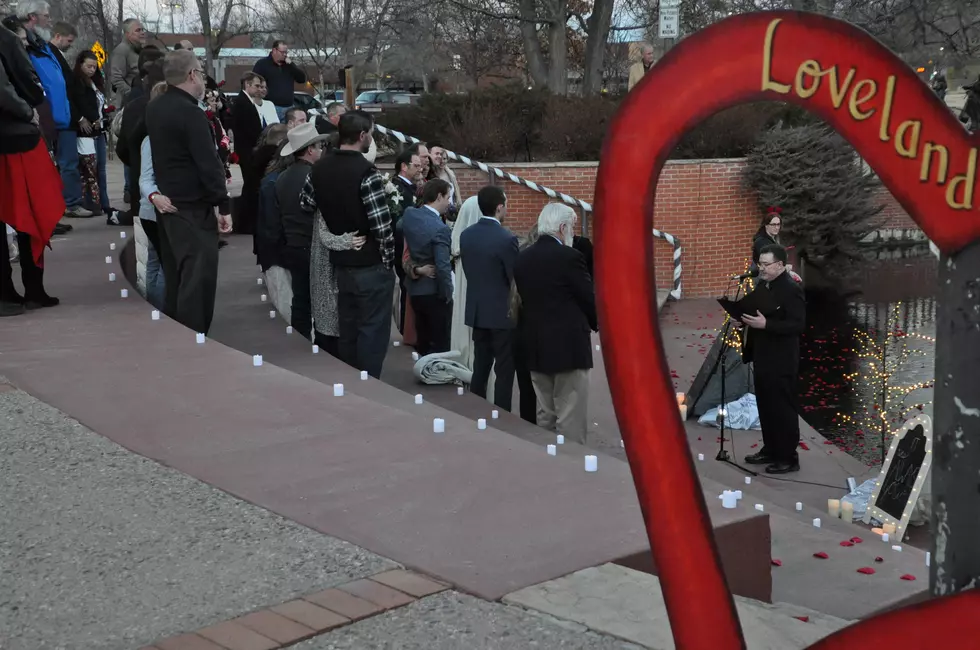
669	21
99	52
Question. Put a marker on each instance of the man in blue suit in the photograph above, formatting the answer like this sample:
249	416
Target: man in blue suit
428	240
488	252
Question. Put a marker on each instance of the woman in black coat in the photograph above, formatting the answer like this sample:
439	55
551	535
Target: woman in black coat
767	234
91	102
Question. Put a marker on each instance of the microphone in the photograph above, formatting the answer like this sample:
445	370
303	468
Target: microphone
751	273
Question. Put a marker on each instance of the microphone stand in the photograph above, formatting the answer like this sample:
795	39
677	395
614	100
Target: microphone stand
723	454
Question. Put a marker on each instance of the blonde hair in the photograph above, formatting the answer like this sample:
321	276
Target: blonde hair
158	89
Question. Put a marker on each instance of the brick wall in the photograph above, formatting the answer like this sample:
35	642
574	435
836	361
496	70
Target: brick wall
701	202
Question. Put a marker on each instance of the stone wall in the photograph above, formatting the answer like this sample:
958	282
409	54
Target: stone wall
701	202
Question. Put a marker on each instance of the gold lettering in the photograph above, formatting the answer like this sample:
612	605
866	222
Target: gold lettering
968	180
910	150
856	99
837	93
767	82
886	116
927	151
809	68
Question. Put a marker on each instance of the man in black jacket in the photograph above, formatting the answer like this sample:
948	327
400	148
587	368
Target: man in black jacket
133	127
558	315
189	172
407	166
773	345
280	75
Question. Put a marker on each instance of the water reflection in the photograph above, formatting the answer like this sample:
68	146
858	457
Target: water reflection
868	360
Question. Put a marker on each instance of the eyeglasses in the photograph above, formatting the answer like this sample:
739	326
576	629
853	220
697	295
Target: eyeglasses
776	224
766	265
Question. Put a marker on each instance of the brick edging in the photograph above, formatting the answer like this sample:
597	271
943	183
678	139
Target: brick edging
282	625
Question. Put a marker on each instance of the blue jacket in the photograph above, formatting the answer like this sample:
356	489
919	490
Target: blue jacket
428	240
488	252
48	68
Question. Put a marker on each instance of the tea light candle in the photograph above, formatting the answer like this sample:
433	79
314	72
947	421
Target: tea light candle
847	511
494	414
928	557
728	499
257	360
597	348
460	390
748	480
884	537
418	399
200	337
897	547
258	281
272	313
833	508
108	260
289	329
561	439
481	424
112	246
396	343
263	297
112	277
816	523
552	450
591	464
415	356
738	494
124	293
759	507
683	410
799	506
122	235
338	390
364	375
700	456
438	425
155	314
316	349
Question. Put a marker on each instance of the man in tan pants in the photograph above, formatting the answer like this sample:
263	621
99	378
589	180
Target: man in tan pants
558	316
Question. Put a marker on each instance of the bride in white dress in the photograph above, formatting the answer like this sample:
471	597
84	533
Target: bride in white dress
461	336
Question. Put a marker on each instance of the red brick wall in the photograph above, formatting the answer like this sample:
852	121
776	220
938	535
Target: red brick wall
701	202
894	216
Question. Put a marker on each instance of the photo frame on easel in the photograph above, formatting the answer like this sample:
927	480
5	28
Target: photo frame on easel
900	481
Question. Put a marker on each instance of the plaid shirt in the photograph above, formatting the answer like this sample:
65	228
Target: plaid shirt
376	202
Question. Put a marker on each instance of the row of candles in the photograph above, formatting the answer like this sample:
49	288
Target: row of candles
845	510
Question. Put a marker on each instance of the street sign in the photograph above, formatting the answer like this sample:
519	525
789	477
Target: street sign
99	52
669	21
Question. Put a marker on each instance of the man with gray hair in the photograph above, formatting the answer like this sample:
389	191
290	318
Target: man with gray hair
124	62
326	124
189	173
557	317
641	67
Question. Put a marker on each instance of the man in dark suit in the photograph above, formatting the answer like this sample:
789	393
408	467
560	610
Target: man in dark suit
407	167
246	126
489	251
773	345
558	315
429	240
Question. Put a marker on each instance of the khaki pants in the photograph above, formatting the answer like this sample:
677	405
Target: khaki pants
563	403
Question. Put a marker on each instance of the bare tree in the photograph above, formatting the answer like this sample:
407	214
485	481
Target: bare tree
314	27
481	43
222	20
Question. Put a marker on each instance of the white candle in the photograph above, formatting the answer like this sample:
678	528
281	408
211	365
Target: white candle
728	500
816	522
415	356
738	494
561	439
928	557
200	337
680	398
272	313
263	297
622	444
897	547
552	450
495	414
122	235
683	410
748	480
759	507
364	375
597	348
459	390
481	424
438	425
700	456
799	506
591	464
418	399
124	293
338	390
108	260
396	343
258	281
316	349
112	277
884	537
847	511
257	360
155	314
833	508
112	246
289	329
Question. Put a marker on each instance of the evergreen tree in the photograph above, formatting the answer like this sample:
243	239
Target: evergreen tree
827	194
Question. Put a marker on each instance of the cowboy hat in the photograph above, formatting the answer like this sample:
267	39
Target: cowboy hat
301	137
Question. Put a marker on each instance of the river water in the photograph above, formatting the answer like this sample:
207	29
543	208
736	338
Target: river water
868	357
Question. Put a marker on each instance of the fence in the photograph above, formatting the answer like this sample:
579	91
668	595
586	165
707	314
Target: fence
584	208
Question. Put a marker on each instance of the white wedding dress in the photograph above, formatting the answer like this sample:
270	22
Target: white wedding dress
461	336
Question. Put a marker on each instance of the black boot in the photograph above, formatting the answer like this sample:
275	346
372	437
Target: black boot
35	297
10	309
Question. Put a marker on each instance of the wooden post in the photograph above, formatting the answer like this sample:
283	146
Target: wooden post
955	562
349	87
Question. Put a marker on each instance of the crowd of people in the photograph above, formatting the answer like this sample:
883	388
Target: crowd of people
348	251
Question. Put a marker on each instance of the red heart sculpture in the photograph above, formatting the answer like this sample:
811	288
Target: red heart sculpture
874	100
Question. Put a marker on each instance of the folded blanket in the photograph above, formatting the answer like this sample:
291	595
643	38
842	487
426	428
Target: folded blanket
442	368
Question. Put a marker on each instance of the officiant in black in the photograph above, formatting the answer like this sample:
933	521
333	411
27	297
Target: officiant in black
772	343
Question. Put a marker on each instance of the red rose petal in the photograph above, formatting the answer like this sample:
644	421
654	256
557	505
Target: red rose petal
908	576
805	619
753	446
847	543
821	555
866	570
804	447
856	540
879	559
777	562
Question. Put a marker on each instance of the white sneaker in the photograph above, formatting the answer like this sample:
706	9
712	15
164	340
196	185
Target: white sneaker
78	211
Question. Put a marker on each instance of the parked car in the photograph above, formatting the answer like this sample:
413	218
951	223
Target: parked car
375	101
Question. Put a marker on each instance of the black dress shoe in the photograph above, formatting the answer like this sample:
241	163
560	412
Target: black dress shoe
10	309
782	467
39	302
760	458
62	229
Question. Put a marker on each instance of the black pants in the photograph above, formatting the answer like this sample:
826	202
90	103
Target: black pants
364	295
189	256
493	349
297	260
327	343
30	273
433	324
778	414
528	400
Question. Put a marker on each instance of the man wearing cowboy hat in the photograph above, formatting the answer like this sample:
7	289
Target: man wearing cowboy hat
296	224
